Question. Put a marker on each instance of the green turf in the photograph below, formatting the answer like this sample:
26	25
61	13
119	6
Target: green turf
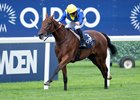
84	83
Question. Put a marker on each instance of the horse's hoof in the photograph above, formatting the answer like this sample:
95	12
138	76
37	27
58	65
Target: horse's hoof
106	87
109	78
47	83
65	89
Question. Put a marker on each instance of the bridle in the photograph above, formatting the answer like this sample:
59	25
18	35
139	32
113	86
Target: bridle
57	28
44	28
51	31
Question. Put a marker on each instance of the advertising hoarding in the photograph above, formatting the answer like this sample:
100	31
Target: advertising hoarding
113	17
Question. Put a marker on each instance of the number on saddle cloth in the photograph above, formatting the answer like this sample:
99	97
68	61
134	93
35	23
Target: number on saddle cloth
89	41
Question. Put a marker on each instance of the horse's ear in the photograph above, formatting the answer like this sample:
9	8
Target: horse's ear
47	15
52	16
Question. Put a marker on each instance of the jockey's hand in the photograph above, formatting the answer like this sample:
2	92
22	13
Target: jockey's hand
77	23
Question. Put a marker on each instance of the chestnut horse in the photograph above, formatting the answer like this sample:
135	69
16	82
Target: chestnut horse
67	48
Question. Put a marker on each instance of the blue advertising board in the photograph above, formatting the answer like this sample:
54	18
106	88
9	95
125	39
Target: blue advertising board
25	61
114	17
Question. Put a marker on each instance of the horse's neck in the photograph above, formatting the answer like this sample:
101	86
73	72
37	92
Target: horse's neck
59	35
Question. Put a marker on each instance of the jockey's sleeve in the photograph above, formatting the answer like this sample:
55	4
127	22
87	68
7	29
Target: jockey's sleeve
63	17
80	16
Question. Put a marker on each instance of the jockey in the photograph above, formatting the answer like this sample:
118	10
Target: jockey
74	18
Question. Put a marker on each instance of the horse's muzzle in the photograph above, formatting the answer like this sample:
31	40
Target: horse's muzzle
41	36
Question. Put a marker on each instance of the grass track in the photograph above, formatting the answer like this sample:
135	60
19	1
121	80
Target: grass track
85	83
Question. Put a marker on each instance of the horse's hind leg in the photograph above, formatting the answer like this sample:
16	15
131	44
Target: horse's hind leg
64	70
105	71
102	67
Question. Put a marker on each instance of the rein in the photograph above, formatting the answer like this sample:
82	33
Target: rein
53	31
57	28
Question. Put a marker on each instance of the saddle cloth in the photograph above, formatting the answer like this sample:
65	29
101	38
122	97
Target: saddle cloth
88	40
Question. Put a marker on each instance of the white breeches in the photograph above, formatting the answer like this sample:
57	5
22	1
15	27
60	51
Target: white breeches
70	24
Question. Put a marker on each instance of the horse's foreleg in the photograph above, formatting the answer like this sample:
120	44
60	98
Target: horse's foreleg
52	77
64	70
62	64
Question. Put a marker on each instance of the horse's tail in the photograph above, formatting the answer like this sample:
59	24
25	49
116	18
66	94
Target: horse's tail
112	47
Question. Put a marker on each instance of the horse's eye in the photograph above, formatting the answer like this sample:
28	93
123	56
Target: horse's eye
49	24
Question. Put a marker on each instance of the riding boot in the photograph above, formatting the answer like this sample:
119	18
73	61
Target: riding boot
80	33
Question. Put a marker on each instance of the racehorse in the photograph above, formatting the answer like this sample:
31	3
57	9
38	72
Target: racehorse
67	48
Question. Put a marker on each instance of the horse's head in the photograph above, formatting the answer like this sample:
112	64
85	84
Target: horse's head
47	27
